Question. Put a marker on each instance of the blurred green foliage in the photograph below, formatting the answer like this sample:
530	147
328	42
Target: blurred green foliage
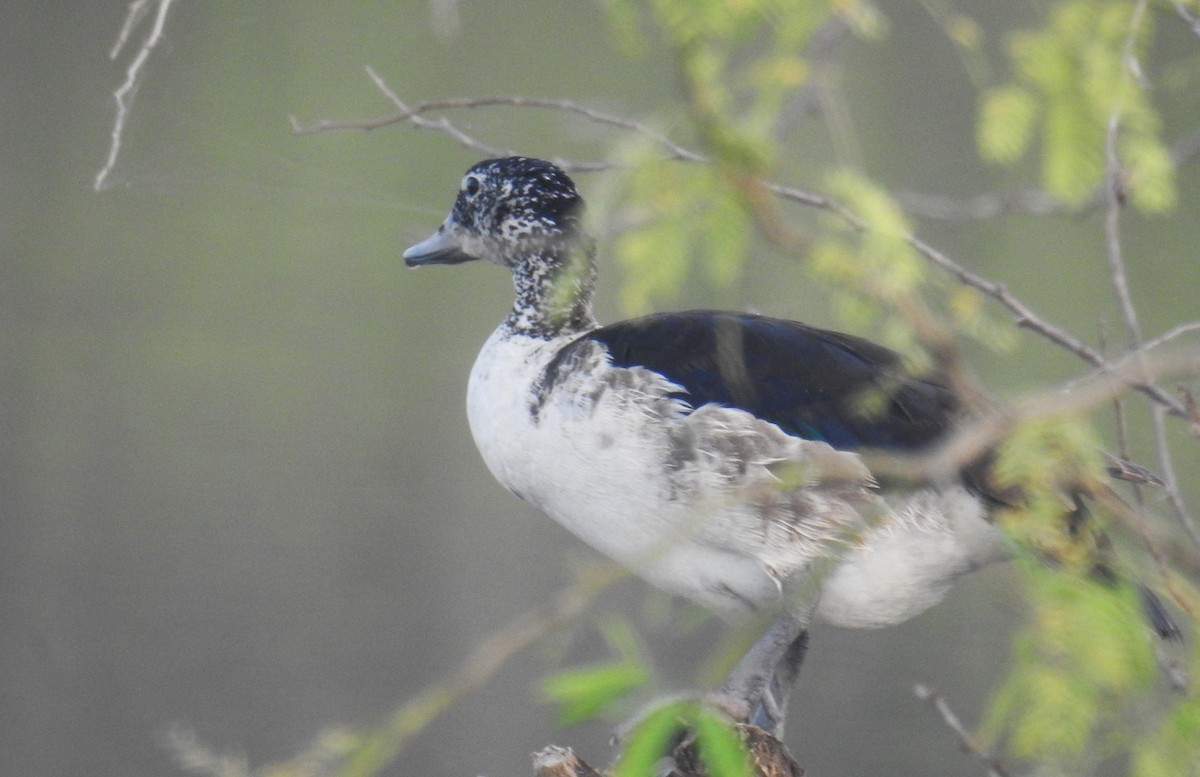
686	214
1073	77
1081	688
586	692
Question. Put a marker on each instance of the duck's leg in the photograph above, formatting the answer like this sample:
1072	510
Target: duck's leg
757	689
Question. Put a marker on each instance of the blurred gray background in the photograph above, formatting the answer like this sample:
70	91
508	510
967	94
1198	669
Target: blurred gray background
237	490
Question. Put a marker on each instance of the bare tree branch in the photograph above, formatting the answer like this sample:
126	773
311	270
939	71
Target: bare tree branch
1114	194
995	768
1025	317
414	115
1171	334
1192	20
379	746
1166	463
137	11
133	75
980	207
1079	396
1148	346
1023	314
1114	203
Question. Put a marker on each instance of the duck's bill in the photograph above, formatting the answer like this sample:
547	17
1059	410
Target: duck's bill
439	248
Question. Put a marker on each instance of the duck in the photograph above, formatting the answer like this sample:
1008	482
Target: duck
718	455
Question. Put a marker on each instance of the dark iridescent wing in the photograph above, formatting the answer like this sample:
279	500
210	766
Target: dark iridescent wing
812	383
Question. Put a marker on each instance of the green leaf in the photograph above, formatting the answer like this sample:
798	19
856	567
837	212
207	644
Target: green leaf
972	316
1006	121
649	740
717	741
1073	75
656	254
720	746
1058	718
1150	173
1072	150
582	694
725	229
1174	749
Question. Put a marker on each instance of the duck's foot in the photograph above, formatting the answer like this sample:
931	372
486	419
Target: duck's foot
757	690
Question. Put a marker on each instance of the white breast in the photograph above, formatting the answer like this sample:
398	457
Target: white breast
691	500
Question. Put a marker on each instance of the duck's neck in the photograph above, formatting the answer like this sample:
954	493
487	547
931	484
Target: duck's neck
554	292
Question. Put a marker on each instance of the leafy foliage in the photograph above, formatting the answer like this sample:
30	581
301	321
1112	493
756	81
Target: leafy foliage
1173	750
1083	669
740	63
1079	668
877	279
1074	77
687	215
873	265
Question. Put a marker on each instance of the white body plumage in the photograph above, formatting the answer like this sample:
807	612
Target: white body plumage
693	500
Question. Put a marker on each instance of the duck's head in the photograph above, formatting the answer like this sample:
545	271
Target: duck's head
507	210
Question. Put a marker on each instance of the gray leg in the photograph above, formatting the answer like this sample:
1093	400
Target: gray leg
757	689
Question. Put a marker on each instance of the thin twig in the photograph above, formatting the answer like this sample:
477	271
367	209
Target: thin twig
381	745
1025	317
1152	344
981	207
413	114
995	768
1192	20
442	125
971	439
1171	334
1121	423
1030	202
1166	463
1114	193
133	17
1115	201
133	74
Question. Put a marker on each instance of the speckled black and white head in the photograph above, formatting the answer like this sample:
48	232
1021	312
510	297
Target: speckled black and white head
524	214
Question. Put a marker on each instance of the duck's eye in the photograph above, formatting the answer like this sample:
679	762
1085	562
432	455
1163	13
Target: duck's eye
471	185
